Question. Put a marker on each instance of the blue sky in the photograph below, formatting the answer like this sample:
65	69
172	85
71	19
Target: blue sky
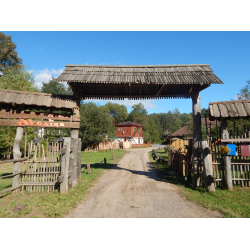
228	54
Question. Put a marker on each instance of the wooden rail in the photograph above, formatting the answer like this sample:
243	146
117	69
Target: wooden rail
14	160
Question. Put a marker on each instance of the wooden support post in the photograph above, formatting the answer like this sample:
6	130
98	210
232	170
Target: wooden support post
73	157
207	165
17	155
227	159
89	169
105	161
79	165
65	165
197	137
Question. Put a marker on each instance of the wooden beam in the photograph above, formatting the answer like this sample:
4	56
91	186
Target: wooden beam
161	88
37	115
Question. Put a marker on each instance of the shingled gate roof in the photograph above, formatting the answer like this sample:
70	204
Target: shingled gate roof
138	81
36	99
229	109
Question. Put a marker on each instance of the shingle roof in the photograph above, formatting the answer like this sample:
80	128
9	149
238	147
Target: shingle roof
36	99
154	74
129	123
185	130
229	109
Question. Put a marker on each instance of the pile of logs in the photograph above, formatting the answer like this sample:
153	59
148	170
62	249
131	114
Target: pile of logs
156	157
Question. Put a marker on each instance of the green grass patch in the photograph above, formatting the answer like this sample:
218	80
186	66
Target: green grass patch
233	204
54	204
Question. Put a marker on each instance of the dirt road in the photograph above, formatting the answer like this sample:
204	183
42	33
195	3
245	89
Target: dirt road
132	190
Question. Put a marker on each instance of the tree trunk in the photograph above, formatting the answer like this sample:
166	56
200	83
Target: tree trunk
17	155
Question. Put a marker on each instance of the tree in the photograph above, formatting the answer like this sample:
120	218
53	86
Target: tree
244	92
8	55
54	87
117	111
19	79
138	114
95	125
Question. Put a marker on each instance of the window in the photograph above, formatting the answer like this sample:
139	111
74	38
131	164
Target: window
138	130
134	130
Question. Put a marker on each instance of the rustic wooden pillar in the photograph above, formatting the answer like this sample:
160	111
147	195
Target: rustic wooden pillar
197	137
17	155
227	159
207	165
79	170
74	134
65	165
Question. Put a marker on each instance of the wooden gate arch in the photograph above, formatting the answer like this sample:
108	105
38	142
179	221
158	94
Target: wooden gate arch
14	111
143	82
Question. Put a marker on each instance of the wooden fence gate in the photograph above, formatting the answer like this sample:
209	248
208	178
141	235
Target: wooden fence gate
45	169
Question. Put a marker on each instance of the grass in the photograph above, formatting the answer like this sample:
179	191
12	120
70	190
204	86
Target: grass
54	204
233	204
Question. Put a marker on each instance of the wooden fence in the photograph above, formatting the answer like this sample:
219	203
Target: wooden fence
47	169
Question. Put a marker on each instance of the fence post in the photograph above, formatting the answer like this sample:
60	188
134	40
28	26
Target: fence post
17	155
65	165
79	159
207	165
73	157
227	160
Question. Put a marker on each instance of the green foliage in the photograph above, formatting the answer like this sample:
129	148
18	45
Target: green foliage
95	124
150	131
8	56
244	92
118	112
54	87
138	114
21	79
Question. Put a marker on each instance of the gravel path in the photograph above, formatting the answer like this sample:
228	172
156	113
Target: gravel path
133	190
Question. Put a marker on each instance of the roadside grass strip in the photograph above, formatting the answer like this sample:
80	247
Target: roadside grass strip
54	204
233	204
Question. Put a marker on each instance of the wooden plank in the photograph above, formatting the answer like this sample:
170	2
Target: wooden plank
236	140
14	160
4	122
38	115
211	110
231	110
159	91
39	183
40	100
247	107
216	110
10	189
241	111
223	110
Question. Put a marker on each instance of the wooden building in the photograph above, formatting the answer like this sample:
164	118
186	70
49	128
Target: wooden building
129	131
185	132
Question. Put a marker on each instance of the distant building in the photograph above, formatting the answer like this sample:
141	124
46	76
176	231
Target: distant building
129	131
184	132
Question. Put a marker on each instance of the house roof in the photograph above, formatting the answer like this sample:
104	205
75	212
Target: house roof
229	109
129	123
137	81
45	100
185	130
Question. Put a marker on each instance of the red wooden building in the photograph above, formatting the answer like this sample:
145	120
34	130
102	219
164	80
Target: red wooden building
129	131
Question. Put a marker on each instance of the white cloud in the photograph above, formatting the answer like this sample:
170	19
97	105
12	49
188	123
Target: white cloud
46	75
148	104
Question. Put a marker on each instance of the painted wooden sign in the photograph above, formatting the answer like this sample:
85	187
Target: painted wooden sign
31	123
